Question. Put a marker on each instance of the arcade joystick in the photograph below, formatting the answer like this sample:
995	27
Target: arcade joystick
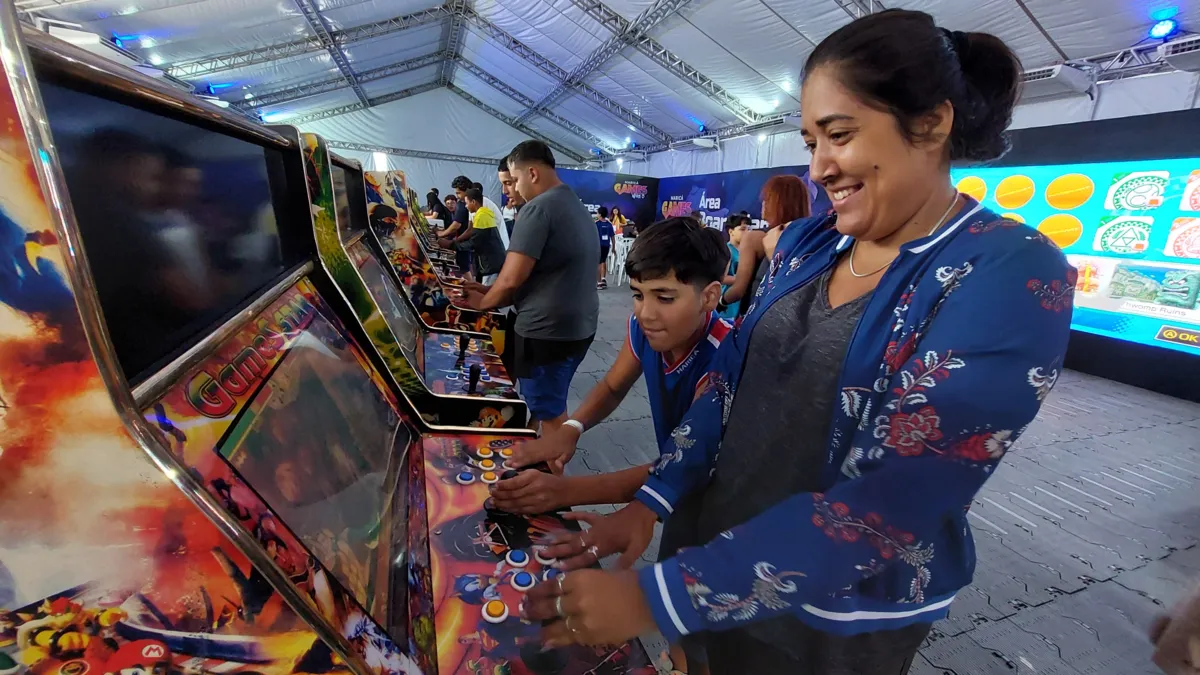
509	474
495	611
464	341
474	382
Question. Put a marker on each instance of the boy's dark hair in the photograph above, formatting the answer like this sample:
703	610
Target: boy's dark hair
475	195
451	197
477	186
503	168
696	254
531	151
461	183
602	211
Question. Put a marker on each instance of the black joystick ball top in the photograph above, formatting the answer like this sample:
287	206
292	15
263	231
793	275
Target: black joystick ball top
510	473
464	341
476	371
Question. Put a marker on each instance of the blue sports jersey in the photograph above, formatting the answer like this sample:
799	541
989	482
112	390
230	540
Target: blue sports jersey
673	386
605	230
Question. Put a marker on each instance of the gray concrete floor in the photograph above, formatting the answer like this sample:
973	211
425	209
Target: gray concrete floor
1085	533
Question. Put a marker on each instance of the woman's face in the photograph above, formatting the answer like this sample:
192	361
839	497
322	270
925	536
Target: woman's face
875	178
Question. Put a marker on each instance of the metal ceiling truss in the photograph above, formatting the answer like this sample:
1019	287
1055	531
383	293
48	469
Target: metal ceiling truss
512	122
647	20
403	152
860	8
378	100
1140	59
453	43
326	85
667	60
531	56
503	87
308	45
320	27
723	134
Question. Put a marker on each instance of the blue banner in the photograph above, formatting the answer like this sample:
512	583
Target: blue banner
634	195
718	195
1131	229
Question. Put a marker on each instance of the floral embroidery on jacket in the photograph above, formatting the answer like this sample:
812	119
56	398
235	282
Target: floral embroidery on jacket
1056	295
837	523
765	590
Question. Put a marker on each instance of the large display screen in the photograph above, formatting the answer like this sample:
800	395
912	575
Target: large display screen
1131	229
177	221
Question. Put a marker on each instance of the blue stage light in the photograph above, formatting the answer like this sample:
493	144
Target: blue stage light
1164	29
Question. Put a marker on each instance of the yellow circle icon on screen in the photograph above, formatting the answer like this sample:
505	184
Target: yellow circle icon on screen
1014	192
974	187
1014	216
1069	191
1062	228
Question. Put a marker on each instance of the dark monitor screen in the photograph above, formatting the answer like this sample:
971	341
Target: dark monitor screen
341	200
178	221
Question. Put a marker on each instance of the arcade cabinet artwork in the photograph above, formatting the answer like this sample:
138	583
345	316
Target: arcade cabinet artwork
106	566
467	408
392	220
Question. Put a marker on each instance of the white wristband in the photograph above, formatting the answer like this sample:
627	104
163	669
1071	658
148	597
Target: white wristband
575	424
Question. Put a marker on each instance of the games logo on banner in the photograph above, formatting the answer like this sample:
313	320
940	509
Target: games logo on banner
718	195
634	195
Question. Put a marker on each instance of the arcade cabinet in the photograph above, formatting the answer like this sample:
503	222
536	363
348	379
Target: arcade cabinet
396	219
207	468
438	369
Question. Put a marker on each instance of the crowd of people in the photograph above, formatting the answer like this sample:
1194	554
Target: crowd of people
915	332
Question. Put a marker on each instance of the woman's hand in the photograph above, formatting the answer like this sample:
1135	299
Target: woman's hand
530	492
1176	638
589	607
555	449
627	532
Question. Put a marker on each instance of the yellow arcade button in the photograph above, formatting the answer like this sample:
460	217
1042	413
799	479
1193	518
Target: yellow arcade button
487	464
506	453
495	611
484	453
489	477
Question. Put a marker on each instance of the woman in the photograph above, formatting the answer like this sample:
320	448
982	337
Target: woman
915	334
784	199
618	220
435	209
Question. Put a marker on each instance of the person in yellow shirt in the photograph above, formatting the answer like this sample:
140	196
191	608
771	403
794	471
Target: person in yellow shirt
618	220
485	238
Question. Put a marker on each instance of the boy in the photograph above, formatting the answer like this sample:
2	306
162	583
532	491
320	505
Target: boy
675	270
484	237
605	229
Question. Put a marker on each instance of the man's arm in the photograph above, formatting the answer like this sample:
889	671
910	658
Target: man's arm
516	270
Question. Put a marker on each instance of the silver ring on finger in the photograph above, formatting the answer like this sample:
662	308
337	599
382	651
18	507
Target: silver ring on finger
558	608
582	543
572	629
595	551
559	583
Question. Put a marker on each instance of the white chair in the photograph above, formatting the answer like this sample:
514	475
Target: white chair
617	256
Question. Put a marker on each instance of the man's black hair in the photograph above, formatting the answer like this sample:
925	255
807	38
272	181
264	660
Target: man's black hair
531	151
602	211
475	195
461	183
503	168
696	254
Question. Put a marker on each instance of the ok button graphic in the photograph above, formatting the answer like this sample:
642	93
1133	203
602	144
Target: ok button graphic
1179	336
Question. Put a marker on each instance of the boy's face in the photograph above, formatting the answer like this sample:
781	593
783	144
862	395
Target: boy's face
451	203
473	205
671	312
735	235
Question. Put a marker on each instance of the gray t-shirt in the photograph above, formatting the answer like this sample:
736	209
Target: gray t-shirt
559	300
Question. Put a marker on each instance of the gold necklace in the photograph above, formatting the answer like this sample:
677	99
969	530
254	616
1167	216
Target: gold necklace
854	246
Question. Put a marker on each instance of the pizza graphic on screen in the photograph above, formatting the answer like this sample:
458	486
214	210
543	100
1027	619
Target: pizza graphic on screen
1184	239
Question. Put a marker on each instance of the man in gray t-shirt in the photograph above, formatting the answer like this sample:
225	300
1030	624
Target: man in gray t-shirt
549	274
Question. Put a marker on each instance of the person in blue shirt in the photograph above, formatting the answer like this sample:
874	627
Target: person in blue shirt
674	269
605	229
735	227
897	349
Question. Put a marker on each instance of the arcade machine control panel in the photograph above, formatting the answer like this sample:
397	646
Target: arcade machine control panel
465	365
484	561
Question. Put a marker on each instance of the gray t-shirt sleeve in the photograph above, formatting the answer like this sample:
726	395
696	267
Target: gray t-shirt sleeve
530	233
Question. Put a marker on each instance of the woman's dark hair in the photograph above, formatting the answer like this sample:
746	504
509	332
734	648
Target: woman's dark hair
696	254
602	211
616	210
431	200
477	186
785	198
900	62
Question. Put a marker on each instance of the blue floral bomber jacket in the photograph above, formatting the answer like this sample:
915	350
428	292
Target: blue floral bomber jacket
957	348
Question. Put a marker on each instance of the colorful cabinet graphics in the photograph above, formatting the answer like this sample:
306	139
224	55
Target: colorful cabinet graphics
1132	229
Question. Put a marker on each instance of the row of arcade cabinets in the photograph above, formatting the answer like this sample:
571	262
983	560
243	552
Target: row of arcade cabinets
230	440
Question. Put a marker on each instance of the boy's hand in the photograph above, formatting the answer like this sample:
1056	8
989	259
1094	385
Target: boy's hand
530	492
555	449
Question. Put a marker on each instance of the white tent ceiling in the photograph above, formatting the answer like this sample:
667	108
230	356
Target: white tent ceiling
475	77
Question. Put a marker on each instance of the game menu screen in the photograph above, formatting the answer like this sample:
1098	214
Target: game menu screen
1131	229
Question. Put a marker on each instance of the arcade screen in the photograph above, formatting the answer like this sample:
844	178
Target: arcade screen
341	200
324	449
1131	229
178	221
400	317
